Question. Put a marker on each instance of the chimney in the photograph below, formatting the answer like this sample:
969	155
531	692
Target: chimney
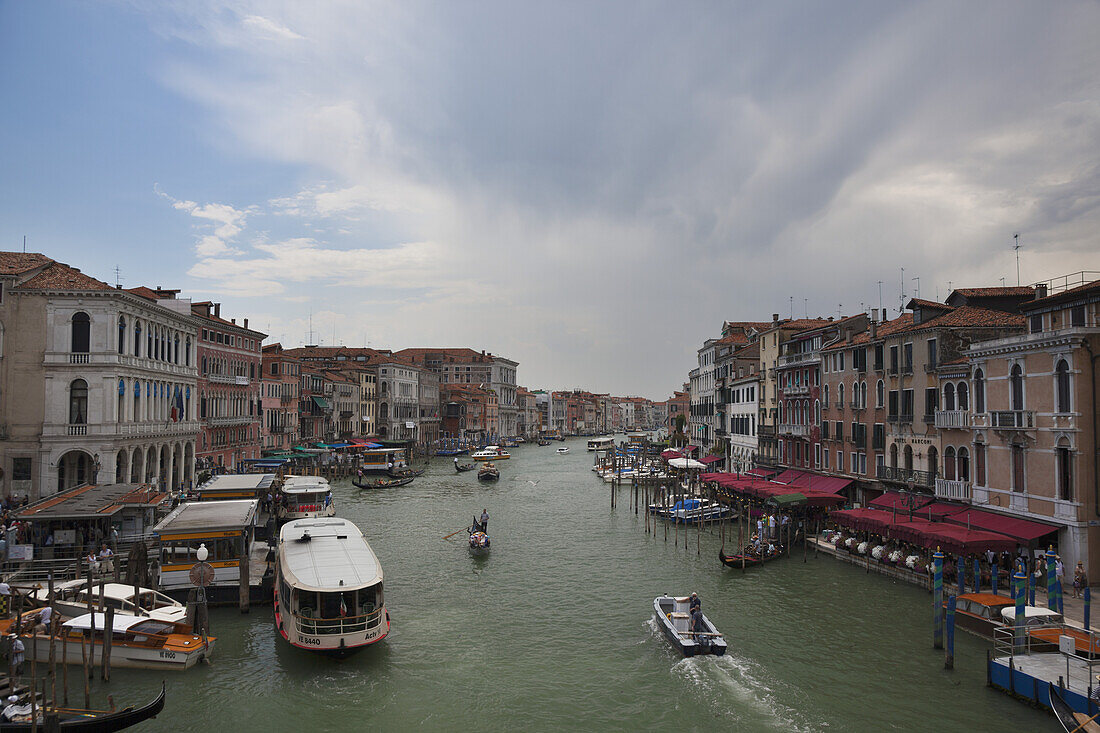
1040	291
874	329
246	323
884	315
775	318
217	310
233	321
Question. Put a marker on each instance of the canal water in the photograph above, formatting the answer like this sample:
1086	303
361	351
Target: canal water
554	630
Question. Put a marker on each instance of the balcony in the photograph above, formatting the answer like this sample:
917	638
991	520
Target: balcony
902	476
276	429
114	360
765	431
796	389
78	430
879	367
931	367
79	358
1012	420
286	399
229	421
947	419
900	419
808	357
855	405
928	418
906	369
799	431
345	414
948	489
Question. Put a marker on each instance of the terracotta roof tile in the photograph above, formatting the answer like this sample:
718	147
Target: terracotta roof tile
927	304
15	263
998	292
1065	294
62	277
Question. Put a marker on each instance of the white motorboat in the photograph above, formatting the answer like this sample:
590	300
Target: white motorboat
328	587
491	453
137	642
603	443
71	599
674	620
563	450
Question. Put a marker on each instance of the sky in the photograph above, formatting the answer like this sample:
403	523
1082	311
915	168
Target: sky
590	189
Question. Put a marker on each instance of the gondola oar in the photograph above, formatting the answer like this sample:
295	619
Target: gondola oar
452	534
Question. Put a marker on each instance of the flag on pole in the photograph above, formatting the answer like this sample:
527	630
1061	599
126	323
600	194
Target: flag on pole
177	405
343	606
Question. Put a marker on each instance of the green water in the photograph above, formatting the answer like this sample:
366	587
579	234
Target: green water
554	631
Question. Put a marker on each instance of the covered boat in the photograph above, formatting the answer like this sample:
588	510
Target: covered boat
491	453
303	497
71	598
674	620
328	588
488	472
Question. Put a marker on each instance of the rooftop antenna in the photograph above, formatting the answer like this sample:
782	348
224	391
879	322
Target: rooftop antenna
792	306
1016	236
805	307
24	244
917	278
118	277
839	311
311	325
901	298
1002	282
880	294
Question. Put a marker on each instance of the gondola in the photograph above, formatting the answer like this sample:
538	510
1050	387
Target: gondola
750	559
382	483
463	467
405	472
92	721
1070	719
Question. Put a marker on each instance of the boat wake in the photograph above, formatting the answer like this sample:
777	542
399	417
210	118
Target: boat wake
738	688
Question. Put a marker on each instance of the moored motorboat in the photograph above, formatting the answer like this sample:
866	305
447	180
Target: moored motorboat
71	598
488	472
382	483
674	620
137	642
328	587
18	717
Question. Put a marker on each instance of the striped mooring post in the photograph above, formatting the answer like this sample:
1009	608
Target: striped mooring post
993	571
937	600
1059	597
1088	606
949	657
977	575
960	574
1021	596
1052	581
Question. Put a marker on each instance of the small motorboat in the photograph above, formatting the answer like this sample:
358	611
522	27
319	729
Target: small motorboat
78	719
488	472
563	450
674	621
543	441
1070	720
382	483
479	543
462	467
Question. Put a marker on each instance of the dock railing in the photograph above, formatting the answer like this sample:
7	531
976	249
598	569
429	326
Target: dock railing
343	625
1046	638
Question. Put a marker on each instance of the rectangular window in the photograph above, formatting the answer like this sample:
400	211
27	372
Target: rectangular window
825	430
840	461
878	356
842	361
853	462
931	401
908	353
825	455
839	430
1076	316
863	463
817	455
1037	323
932	353
894	359
893	405
907	403
21	469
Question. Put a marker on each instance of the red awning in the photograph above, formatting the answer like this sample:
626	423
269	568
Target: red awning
937	510
893	499
711	459
789	476
1023	531
870	520
828	484
668	455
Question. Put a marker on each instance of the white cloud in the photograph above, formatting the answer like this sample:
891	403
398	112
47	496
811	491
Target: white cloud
268	28
227	222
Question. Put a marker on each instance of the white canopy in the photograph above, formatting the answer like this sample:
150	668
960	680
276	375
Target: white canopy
686	463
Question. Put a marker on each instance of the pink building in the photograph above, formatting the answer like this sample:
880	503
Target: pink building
279	387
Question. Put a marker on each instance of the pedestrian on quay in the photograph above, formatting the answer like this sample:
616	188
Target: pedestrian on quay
1059	571
16	651
1080	580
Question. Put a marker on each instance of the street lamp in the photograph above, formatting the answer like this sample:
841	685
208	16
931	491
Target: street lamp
202	553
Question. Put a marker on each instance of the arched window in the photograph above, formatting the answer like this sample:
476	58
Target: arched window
948	398
1061	379
963	395
908	458
1065	470
121	335
840	395
855	393
81	333
78	402
187	353
137	337
949	463
863	394
979	391
825	396
880	393
933	461
121	400
817	412
137	401
893	455
150	353
964	464
979	463
1016	383
176	349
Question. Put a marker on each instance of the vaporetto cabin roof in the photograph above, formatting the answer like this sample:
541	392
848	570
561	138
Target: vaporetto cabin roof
336	552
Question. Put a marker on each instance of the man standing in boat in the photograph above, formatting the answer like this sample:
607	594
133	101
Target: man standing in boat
485	520
694	603
697	624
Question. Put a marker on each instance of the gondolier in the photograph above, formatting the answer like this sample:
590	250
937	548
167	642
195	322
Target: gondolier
484	520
